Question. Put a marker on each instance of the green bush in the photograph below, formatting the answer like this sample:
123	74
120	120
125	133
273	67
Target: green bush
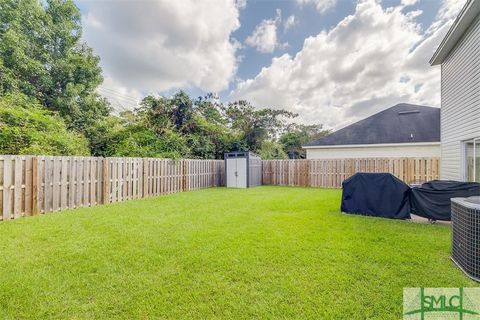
272	150
27	128
138	141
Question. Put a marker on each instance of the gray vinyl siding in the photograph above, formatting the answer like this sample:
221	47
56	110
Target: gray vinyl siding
460	112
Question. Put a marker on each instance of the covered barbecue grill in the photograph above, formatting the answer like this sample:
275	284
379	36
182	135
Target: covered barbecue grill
432	199
376	194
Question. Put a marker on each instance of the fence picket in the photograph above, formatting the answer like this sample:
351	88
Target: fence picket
63	185
7	185
330	173
17	191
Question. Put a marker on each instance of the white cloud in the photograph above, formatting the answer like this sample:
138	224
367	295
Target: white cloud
289	23
322	6
264	37
446	14
450	9
371	60
163	45
241	4
408	2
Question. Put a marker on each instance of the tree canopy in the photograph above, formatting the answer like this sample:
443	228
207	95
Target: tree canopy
201	128
42	56
297	135
28	128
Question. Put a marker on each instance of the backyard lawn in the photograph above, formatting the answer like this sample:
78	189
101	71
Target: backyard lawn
267	252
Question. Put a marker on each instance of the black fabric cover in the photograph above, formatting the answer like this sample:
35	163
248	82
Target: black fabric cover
376	194
432	199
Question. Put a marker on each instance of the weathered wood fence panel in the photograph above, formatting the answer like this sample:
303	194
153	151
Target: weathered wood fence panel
66	182
330	173
31	185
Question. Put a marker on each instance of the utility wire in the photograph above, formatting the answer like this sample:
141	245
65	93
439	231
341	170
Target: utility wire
117	92
122	96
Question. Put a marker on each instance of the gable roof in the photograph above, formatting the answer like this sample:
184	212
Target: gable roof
469	12
402	123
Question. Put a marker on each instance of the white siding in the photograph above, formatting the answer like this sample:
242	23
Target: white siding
460	112
375	152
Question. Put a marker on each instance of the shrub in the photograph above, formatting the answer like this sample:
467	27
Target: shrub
27	128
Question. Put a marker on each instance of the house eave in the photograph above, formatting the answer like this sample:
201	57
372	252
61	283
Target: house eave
409	144
468	13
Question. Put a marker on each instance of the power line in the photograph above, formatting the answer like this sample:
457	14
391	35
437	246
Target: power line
119	94
123	97
120	106
116	91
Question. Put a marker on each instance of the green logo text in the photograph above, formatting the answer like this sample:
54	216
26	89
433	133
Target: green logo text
441	303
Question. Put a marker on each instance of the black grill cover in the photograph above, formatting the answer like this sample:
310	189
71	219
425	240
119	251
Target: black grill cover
376	194
432	199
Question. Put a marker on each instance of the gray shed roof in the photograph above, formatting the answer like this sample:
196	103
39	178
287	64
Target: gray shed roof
402	123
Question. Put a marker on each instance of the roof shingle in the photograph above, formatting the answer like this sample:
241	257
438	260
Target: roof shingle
402	123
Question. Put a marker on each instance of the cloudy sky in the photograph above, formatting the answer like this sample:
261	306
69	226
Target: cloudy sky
330	61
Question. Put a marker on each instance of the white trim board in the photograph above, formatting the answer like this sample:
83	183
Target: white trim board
460	25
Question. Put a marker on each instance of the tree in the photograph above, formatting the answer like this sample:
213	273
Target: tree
211	109
103	134
27	128
297	135
272	150
163	113
256	125
200	124
138	141
42	56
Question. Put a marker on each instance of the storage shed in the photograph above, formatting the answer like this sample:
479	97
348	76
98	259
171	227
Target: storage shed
243	169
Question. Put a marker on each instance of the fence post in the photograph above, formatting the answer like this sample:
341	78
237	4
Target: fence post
7	184
145	177
308	182
104	181
186	173
34	186
182	175
215	178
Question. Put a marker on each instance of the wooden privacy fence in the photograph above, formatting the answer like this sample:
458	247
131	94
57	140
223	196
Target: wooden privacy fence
39	184
331	173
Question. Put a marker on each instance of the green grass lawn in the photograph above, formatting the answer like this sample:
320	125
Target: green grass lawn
267	252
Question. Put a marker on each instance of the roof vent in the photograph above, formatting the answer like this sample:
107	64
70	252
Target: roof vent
408	112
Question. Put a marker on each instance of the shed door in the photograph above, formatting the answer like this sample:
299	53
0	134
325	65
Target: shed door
232	173
241	172
237	173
